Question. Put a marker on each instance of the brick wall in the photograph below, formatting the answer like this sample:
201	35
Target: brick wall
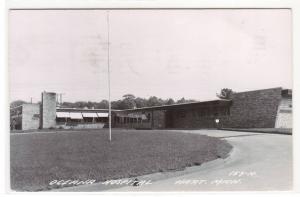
48	110
159	119
254	109
30	116
190	119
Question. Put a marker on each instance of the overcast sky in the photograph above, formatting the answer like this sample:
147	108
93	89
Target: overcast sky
165	53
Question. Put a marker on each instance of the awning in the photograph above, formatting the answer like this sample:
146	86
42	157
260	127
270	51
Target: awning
62	114
75	115
89	115
101	115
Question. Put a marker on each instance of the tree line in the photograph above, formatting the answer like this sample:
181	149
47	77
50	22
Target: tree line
129	101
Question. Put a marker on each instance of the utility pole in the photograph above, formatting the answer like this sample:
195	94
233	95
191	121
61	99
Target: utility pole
108	69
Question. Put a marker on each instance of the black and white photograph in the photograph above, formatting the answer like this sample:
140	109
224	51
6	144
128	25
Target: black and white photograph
150	99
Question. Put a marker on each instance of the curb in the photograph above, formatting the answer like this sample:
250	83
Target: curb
154	177
257	131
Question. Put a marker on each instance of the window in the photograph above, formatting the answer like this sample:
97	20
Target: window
88	119
182	114
61	120
215	111
194	112
148	117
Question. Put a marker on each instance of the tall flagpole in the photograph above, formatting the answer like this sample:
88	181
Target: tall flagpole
109	103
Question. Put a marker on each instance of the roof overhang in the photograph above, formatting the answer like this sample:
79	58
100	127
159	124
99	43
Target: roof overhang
212	103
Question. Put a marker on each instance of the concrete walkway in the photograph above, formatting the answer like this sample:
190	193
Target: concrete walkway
258	162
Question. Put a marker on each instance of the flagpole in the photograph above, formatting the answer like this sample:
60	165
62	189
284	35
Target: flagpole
109	103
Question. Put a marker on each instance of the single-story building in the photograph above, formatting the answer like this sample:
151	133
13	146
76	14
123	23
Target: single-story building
267	108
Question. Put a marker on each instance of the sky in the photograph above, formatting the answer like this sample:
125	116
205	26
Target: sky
163	53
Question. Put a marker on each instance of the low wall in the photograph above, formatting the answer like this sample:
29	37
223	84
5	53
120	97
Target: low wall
81	126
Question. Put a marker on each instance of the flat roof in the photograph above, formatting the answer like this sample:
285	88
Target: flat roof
184	105
58	109
217	102
34	104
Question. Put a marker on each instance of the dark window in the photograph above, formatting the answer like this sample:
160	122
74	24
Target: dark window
88	119
61	119
194	112
215	111
228	111
210	112
182	114
148	117
204	112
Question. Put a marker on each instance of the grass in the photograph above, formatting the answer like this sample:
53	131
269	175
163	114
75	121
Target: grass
38	158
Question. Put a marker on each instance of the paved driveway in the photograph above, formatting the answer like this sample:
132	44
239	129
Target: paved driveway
258	162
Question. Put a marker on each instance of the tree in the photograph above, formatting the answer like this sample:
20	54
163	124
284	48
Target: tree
67	105
102	105
170	101
116	104
17	103
140	102
129	101
225	93
182	100
154	101
129	96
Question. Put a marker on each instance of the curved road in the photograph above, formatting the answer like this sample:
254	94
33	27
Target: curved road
257	162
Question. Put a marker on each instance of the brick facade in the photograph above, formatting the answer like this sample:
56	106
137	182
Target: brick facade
254	109
199	117
191	119
159	119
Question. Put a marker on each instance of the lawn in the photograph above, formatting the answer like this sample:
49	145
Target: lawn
38	158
